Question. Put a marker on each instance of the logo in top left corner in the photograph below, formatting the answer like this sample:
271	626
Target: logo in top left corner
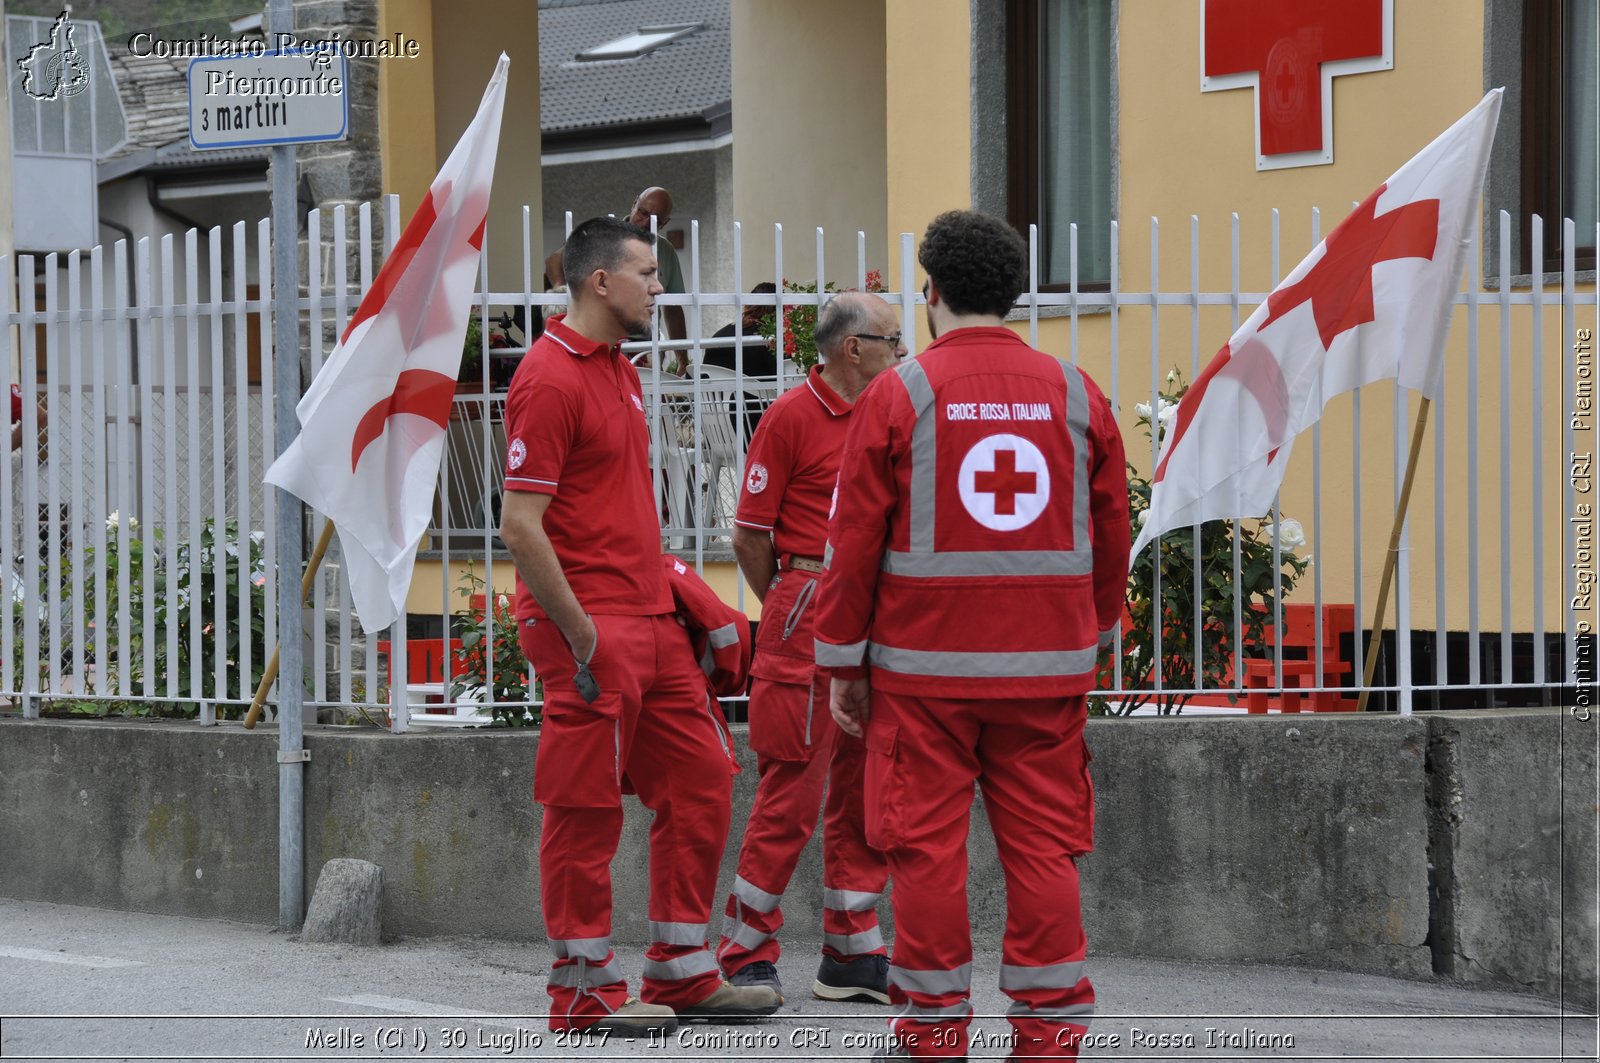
54	68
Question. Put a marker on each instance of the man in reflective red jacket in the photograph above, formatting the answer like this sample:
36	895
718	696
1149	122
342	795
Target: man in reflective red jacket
977	560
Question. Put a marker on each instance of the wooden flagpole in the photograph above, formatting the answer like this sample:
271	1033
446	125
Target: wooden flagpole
306	583
1394	550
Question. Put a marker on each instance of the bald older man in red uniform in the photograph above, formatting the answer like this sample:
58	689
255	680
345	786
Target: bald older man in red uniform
779	533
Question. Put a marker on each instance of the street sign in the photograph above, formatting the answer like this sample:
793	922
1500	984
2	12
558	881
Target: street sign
295	96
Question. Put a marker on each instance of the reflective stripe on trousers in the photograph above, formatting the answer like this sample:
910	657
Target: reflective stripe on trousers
681	968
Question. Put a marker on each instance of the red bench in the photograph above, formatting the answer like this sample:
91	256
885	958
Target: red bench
1300	662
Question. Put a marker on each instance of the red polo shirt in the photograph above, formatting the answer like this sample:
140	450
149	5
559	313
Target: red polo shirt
793	466
576	430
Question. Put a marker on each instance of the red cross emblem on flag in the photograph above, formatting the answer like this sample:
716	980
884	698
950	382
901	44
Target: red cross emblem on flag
1004	482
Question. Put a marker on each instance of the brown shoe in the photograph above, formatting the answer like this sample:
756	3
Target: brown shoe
735	1003
635	1017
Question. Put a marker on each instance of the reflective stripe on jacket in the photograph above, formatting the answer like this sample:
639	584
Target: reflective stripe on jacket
719	633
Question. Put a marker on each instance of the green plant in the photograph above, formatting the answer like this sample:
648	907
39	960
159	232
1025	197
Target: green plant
480	652
471	371
1195	614
800	322
183	581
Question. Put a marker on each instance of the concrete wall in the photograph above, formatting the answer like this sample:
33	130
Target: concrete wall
1276	840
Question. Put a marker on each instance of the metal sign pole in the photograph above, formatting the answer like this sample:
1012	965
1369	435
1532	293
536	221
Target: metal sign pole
286	377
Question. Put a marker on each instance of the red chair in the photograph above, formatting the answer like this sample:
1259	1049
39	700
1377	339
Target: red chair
424	667
1300	661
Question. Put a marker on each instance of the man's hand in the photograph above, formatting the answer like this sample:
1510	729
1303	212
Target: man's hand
847	700
584	639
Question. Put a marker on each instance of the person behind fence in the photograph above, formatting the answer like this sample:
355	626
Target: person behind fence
978	559
625	700
657	202
779	532
16	421
753	357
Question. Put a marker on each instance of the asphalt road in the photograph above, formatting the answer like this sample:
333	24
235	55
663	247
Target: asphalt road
82	984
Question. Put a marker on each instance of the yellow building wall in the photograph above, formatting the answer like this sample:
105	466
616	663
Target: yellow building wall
1185	154
929	134
405	104
424	106
809	125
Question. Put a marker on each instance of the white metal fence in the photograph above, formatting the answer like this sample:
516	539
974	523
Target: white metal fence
139	539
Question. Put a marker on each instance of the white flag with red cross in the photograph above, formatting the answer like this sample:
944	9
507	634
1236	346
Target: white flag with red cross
372	423
1371	302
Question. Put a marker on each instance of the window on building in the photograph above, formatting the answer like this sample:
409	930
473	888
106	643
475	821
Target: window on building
633	45
1560	127
1058	128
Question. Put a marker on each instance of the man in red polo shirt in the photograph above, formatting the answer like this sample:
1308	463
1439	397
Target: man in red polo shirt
624	697
779	534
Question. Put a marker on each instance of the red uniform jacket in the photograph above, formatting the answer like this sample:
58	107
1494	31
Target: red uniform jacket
719	633
980	543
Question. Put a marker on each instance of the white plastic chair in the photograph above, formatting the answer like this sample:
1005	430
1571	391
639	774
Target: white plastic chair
700	442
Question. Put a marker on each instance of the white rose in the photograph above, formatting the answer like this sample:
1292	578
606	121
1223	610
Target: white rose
1291	536
1144	515
1142	409
1168	412
1172	376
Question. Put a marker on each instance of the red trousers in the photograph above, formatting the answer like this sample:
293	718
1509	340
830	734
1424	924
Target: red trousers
652	731
1028	758
797	747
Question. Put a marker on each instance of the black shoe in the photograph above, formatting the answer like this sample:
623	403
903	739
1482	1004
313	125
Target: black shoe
759	972
863	980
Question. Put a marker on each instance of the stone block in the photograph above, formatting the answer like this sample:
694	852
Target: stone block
347	905
1262	839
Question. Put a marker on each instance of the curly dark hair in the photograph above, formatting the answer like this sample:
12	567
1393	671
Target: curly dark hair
978	261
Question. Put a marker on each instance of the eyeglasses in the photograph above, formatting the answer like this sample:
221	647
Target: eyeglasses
892	340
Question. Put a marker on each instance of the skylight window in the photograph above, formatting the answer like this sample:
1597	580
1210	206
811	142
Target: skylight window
644	39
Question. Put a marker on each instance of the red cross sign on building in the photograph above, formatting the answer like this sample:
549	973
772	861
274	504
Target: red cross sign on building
1289	52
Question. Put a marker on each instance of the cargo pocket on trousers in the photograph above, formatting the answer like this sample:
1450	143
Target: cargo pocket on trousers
1081	839
884	788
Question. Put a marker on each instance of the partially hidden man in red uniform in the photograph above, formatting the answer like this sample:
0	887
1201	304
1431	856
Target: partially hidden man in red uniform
778	536
625	699
977	560
16	420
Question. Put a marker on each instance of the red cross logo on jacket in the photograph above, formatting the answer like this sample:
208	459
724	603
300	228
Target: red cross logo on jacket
1004	482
